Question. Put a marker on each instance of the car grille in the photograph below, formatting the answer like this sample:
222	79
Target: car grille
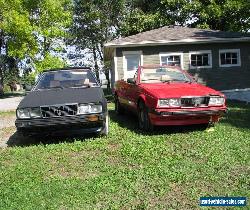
195	102
59	110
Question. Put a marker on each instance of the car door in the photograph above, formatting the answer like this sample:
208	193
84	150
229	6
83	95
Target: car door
132	93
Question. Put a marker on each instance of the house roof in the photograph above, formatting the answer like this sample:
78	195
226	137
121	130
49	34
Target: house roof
177	35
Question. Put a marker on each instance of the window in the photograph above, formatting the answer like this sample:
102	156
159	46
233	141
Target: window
131	61
229	57
171	59
200	59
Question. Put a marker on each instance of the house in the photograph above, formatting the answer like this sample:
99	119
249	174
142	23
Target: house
217	59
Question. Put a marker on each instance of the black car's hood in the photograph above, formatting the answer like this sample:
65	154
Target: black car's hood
62	96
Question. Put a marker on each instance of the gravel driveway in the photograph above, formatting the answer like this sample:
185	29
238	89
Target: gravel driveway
7	128
7	121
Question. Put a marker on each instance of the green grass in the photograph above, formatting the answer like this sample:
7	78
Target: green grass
7	113
12	94
168	169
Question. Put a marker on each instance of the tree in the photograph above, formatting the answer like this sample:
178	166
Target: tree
16	35
94	23
225	15
31	30
49	62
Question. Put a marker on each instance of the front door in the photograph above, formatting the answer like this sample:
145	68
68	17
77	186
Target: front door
131	63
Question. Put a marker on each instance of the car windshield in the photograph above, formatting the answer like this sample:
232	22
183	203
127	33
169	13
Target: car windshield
162	75
66	79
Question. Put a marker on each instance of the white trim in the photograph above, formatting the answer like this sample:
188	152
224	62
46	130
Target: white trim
181	41
172	54
124	61
210	60
115	65
230	51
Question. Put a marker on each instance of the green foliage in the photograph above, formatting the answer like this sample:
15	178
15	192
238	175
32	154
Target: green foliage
18	29
11	76
49	62
94	23
30	28
29	78
226	15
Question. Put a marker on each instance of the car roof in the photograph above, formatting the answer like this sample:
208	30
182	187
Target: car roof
68	68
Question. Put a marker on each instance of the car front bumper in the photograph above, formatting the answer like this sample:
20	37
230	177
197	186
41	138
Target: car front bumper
185	116
92	123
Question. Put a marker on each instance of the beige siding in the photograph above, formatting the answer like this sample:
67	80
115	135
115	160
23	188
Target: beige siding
216	77
120	67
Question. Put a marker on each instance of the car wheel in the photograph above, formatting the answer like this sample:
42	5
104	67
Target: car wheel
105	129
143	118
118	108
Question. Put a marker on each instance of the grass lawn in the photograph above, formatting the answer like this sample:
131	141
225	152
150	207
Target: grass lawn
12	94
168	169
7	113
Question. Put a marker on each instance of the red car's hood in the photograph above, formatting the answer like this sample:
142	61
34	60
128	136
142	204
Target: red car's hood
176	90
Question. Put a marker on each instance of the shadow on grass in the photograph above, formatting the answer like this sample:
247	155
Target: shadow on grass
129	121
22	141
238	114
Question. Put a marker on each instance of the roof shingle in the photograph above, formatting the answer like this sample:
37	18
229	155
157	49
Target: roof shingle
176	33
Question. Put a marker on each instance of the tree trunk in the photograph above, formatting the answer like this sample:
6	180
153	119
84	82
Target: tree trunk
96	64
106	72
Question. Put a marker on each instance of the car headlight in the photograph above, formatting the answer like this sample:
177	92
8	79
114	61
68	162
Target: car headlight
23	113
35	113
163	103
216	101
89	108
171	102
174	102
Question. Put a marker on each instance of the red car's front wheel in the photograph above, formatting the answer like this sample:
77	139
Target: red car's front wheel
143	118
118	108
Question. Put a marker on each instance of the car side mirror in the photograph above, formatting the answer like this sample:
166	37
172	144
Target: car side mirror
131	80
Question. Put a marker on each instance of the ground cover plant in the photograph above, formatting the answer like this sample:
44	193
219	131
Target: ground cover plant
168	169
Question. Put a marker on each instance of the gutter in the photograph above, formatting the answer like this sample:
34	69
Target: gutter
179	42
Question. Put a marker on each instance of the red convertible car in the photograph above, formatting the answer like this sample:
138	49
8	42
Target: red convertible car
168	95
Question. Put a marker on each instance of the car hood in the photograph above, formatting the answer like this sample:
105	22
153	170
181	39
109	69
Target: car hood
176	90
62	96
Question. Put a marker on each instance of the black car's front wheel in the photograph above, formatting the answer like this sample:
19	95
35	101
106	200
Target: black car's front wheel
143	118
105	129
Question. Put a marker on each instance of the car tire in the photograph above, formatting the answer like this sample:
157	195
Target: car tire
105	129
143	118
118	107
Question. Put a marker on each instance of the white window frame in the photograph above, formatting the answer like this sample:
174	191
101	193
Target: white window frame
210	60
124	53
162	54
230	51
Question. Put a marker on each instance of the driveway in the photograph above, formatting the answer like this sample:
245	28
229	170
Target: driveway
9	104
7	121
238	94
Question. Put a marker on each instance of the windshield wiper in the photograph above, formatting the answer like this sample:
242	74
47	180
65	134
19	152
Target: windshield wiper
80	86
175	80
150	79
56	87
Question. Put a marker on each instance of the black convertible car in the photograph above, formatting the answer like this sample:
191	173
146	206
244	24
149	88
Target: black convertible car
63	101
